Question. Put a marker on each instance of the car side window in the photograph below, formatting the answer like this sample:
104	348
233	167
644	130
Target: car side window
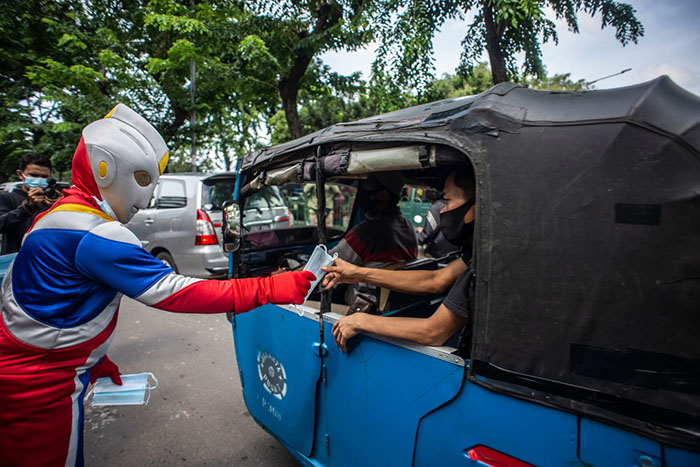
216	192
171	195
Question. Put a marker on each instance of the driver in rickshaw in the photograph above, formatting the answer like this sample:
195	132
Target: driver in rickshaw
385	236
457	218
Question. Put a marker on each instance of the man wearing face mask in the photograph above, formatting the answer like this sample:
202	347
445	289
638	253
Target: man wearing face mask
430	235
457	219
19	207
385	236
61	294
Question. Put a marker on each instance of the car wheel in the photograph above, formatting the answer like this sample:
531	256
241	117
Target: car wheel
167	260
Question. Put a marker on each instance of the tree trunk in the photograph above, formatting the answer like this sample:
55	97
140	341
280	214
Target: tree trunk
328	15
224	153
289	89
493	45
168	132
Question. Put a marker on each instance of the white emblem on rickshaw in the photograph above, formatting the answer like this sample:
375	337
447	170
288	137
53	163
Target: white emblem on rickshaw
272	374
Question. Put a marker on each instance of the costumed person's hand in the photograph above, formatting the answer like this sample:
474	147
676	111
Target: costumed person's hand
108	368
345	328
340	271
284	288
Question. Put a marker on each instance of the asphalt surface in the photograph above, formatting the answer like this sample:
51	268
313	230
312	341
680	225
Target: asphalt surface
196	416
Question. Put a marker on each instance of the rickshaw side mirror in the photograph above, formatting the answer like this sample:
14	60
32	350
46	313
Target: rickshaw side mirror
231	226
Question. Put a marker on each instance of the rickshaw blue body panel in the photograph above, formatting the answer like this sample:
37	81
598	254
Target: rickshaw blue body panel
287	356
384	404
377	380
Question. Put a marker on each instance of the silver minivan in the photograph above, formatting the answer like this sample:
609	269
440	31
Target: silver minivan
182	224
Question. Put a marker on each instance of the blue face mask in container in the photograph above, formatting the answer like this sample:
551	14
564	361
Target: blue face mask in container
135	390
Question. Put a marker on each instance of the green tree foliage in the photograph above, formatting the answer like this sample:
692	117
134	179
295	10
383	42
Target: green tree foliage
326	98
449	86
285	36
207	34
502	28
67	62
560	82
508	27
343	99
28	30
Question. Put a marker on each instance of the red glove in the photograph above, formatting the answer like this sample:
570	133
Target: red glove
288	287
105	367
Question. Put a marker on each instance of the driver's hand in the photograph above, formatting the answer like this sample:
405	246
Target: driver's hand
340	271
345	328
36	197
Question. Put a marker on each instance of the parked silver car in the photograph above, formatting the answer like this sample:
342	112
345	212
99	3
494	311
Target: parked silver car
182	224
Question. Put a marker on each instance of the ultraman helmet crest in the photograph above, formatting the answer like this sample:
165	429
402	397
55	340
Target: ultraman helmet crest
127	155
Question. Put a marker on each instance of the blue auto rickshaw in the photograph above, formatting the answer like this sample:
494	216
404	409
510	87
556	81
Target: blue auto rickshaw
586	297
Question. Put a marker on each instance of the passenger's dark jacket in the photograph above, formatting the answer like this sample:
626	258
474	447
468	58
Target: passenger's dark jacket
16	216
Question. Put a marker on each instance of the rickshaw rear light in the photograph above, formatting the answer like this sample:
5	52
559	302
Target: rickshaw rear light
493	458
204	228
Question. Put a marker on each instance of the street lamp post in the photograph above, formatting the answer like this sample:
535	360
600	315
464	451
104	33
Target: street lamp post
193	114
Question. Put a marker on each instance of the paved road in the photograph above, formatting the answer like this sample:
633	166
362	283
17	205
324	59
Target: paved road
196	416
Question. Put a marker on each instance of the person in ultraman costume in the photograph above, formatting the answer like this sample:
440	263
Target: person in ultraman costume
60	296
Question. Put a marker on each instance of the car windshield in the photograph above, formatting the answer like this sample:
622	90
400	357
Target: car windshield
268	197
216	192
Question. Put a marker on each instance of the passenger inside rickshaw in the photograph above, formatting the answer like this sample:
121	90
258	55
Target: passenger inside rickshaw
453	314
408	289
384	237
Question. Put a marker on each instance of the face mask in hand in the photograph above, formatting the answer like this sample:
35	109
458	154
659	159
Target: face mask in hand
453	227
317	260
35	182
135	390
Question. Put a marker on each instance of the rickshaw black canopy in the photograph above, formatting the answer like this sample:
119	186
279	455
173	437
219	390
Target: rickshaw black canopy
586	249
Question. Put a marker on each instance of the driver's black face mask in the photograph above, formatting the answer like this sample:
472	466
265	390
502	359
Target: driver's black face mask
453	227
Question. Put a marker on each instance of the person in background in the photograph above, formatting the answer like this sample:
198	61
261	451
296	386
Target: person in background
309	191
19	207
61	294
430	235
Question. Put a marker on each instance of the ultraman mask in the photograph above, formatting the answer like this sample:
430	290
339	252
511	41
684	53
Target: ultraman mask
127	156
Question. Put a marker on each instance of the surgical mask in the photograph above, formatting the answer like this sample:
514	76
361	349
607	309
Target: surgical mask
453	227
135	390
35	182
317	260
106	208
